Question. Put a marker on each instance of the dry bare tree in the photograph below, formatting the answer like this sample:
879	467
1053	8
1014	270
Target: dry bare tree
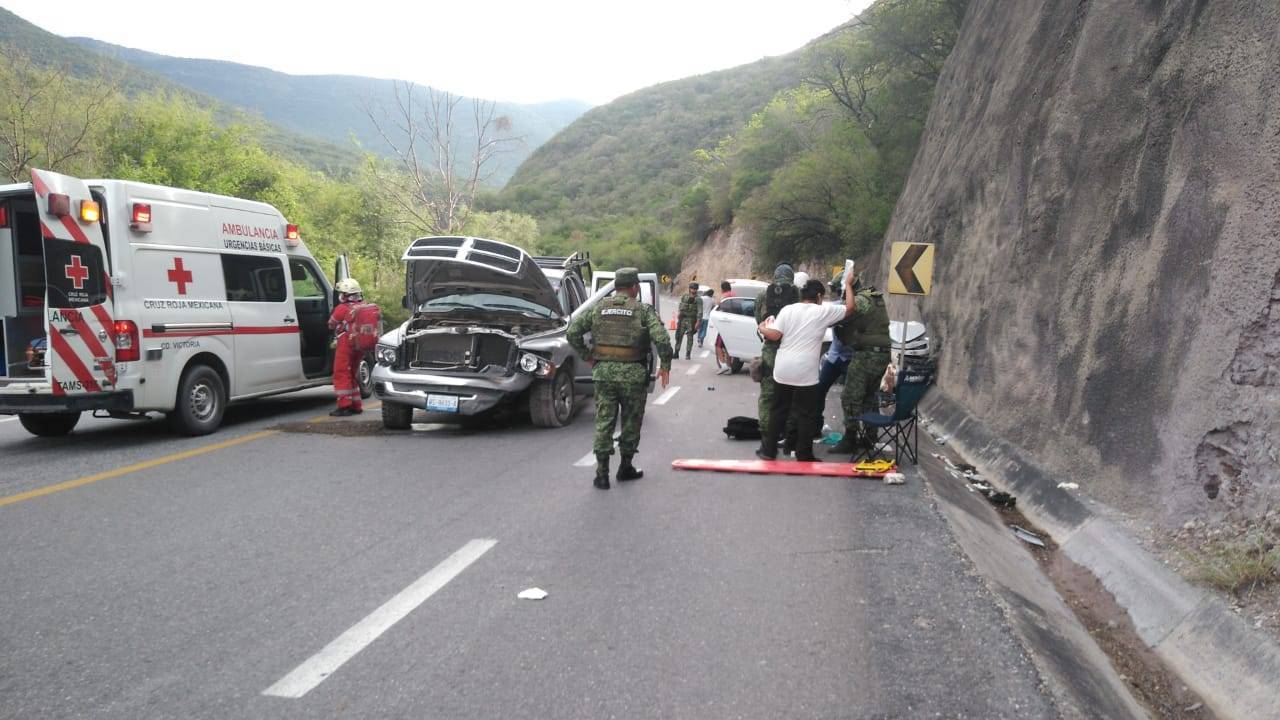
47	117
441	158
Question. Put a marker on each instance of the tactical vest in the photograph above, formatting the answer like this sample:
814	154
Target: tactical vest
618	330
690	307
778	296
871	329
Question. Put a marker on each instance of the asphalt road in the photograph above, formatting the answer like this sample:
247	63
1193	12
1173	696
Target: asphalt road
286	574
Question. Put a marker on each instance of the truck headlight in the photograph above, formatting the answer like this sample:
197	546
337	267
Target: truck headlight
386	355
535	365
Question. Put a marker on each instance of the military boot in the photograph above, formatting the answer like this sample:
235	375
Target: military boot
627	471
602	472
848	445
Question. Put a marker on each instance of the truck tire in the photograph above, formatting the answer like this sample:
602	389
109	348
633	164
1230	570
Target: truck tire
201	402
552	403
49	424
396	416
364	376
735	366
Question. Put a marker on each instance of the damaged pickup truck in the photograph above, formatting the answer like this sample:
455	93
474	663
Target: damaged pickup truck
487	334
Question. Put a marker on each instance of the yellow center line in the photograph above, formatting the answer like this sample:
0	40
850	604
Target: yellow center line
148	464
136	467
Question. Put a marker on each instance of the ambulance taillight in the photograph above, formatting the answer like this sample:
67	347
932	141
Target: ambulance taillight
291	235
90	212
140	219
4	216
59	205
128	348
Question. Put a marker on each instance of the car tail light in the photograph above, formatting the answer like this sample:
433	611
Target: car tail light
140	219
128	349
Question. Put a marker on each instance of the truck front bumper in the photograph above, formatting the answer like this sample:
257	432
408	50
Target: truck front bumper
476	393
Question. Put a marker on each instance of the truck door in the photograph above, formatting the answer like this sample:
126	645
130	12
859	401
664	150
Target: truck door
78	317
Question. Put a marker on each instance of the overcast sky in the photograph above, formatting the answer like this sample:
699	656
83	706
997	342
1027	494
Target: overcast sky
517	50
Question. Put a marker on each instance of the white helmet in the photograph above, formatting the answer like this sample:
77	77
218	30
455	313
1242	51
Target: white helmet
800	279
349	286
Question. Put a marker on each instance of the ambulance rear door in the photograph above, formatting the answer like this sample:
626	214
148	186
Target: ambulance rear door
78	316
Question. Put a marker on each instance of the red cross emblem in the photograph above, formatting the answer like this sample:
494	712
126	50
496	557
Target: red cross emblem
76	272
180	276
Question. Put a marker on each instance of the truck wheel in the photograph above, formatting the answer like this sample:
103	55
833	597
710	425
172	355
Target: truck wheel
49	424
735	366
364	376
552	402
396	416
202	399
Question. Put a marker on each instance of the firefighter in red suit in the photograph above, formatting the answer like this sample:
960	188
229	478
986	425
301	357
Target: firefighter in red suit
346	358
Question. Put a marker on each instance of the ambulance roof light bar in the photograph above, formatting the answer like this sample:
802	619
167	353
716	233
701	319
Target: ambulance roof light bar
291	235
90	211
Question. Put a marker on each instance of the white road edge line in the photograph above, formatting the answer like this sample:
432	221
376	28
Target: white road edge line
693	370
316	668
665	397
586	460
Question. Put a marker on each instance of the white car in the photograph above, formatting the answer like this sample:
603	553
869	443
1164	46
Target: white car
734	320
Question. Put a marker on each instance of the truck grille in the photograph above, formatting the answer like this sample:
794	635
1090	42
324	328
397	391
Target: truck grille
462	352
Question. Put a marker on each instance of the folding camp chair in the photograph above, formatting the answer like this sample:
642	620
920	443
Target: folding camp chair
898	429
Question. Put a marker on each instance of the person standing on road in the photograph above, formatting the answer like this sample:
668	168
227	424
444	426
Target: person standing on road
726	290
622	329
799	329
708	303
687	319
780	293
346	356
867	332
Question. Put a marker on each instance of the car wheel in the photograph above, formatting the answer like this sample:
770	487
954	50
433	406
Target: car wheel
552	402
201	401
49	424
735	366
396	416
364	376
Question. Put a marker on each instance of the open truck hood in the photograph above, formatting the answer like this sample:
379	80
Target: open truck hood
440	266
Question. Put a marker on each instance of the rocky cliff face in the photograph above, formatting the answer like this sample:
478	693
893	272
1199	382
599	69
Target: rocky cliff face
1102	178
726	253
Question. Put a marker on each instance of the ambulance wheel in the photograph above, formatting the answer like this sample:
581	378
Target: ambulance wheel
735	366
49	424
202	399
552	402
364	376
396	416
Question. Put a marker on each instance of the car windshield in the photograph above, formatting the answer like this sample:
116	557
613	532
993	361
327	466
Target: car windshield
484	301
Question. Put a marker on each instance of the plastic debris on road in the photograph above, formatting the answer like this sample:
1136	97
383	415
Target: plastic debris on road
1027	536
895	479
532	594
1068	486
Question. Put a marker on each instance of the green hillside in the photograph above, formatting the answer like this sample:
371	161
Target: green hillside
329	107
50	50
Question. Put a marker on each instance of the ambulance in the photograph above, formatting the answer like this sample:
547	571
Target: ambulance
121	298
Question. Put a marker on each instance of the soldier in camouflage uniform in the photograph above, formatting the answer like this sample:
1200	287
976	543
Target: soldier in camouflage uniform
783	277
622	329
868	333
688	318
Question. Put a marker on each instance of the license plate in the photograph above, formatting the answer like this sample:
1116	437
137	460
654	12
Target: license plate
442	403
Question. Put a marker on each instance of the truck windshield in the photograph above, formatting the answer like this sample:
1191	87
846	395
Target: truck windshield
484	301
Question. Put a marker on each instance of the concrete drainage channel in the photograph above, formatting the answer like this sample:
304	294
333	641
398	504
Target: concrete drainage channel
1081	640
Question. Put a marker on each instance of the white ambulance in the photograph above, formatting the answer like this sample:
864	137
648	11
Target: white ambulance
122	298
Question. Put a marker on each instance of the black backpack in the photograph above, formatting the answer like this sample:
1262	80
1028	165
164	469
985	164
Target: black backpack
778	296
742	428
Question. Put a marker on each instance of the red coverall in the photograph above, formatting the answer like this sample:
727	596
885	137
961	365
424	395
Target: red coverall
346	359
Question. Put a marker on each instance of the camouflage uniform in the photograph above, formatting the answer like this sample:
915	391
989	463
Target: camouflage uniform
867	331
621	375
687	318
769	353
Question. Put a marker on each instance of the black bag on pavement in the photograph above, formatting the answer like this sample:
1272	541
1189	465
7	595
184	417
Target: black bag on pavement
742	428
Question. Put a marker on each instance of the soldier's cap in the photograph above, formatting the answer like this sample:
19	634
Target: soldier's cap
693	286
784	274
626	277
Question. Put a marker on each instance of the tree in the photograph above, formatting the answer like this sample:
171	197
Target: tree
48	118
435	184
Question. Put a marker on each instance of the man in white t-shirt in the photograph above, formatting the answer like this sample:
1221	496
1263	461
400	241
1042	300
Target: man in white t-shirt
801	327
708	304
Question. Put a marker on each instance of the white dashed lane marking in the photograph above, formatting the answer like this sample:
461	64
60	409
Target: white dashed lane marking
323	664
665	397
705	354
693	370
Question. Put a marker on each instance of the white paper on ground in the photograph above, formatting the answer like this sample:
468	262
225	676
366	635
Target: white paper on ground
532	594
